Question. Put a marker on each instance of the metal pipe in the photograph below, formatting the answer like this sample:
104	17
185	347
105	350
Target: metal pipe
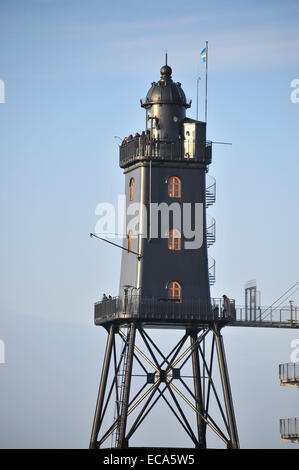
150	201
140	352
138	419
232	426
116	423
201	428
198	341
126	392
102	389
219	433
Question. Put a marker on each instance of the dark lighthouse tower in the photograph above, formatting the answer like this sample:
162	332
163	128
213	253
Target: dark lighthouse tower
165	283
165	173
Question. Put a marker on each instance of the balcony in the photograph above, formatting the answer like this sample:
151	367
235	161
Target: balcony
138	149
289	374
154	310
289	429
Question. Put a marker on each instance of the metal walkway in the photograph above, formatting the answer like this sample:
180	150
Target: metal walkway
194	311
267	317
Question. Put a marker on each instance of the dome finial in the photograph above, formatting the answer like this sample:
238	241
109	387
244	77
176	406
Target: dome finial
166	71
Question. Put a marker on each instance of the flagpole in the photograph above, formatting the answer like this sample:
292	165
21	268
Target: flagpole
206	84
197	84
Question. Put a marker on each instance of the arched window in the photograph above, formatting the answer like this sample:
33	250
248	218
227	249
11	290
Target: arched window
132	183
130	241
174	289
174	186
174	240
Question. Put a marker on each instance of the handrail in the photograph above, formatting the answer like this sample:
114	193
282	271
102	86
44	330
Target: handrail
289	372
143	147
212	270
289	427
210	191
211	232
280	316
190	309
162	308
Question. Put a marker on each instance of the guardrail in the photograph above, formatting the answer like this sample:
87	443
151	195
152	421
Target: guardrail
268	315
289	373
191	309
289	429
139	148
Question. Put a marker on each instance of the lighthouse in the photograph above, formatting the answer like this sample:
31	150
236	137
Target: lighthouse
164	282
165	174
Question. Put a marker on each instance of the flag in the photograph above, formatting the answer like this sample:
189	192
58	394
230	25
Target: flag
204	54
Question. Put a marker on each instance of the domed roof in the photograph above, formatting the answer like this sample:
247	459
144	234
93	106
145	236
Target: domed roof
165	91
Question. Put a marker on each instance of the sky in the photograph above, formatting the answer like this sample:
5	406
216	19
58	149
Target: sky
74	73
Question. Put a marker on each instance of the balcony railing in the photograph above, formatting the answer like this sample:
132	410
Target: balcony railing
190	309
268	316
138	148
289	374
289	429
163	310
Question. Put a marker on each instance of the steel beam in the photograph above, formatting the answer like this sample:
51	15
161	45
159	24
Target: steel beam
201	425
228	400
164	363
102	389
122	443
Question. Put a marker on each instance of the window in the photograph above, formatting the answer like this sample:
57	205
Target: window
130	241
174	187
174	240
174	290
132	183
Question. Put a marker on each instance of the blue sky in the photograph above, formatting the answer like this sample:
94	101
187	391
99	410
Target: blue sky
74	73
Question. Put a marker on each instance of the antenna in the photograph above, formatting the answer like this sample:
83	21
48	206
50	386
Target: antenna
166	58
